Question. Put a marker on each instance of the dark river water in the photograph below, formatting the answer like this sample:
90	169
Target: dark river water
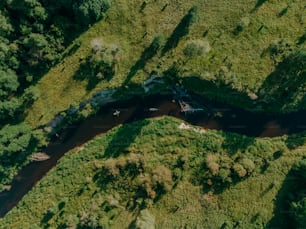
215	116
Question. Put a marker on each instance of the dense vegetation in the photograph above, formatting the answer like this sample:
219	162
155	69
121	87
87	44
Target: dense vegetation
33	35
153	173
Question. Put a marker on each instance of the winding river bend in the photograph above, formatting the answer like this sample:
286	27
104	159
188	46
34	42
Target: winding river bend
215	116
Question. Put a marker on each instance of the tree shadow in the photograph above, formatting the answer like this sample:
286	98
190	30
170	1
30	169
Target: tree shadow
258	4
296	140
283	11
285	86
71	50
225	93
302	39
293	184
123	138
146	55
93	74
236	142
182	29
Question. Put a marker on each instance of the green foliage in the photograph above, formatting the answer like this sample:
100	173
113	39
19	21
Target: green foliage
87	12
15	143
5	26
8	85
119	176
145	220
8	109
299	211
100	64
102	59
14	139
196	48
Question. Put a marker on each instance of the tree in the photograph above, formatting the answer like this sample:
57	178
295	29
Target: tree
8	83
35	43
90	11
15	142
5	26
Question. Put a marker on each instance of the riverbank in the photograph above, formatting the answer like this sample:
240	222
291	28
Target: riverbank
78	181
216	116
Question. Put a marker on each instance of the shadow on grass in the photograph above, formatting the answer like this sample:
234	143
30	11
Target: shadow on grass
287	83
259	4
234	142
71	50
93	74
123	138
182	29
146	55
292	190
302	39
225	92
296	140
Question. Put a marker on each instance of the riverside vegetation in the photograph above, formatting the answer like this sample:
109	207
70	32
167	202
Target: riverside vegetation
56	54
172	176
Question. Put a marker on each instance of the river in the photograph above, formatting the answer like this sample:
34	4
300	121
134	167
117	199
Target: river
215	116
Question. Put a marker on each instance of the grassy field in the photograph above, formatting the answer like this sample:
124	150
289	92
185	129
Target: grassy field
239	59
105	182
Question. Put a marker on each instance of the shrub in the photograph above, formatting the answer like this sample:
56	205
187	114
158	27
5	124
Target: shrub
279	49
211	163
239	170
103	58
145	220
90	11
244	22
162	176
299	211
196	48
224	174
248	165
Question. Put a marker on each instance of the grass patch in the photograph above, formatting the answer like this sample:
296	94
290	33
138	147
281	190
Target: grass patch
239	60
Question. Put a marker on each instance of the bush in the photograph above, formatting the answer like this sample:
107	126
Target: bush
299	211
239	170
247	164
90	11
145	220
244	22
211	164
196	48
103	59
279	49
162	176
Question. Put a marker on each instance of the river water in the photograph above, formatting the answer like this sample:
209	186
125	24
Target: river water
215	116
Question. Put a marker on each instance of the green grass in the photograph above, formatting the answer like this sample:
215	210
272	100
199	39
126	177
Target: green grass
244	57
78	190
